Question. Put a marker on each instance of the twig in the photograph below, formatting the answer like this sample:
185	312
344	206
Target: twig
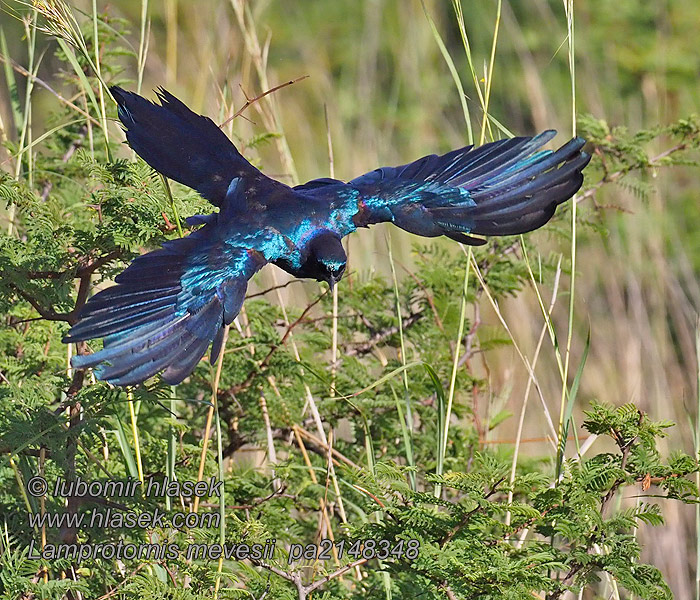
291	577
428	296
273	288
115	589
83	272
69	535
625	448
448	591
267	589
323	448
278	493
250	101
46	313
465	518
382	335
317	584
239	387
612	177
322	501
20	69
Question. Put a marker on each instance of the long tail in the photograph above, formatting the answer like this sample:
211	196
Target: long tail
181	144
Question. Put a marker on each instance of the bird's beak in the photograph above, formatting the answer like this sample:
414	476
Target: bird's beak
331	284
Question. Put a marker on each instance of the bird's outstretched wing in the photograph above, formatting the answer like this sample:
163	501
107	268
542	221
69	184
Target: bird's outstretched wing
502	188
170	304
181	144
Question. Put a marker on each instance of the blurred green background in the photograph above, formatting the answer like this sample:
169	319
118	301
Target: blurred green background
377	72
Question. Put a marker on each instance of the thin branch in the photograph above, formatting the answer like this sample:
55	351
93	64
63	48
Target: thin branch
81	299
70	534
276	494
380	336
291	577
115	590
625	447
83	273
273	288
323	448
44	274
612	177
465	518
428	297
20	69
448	591
46	313
251	101
239	387
267	589
317	584
91	267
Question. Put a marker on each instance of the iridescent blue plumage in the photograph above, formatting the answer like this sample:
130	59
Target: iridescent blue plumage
170	305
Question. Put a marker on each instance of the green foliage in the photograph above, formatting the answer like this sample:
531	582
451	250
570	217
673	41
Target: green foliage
574	537
80	215
624	155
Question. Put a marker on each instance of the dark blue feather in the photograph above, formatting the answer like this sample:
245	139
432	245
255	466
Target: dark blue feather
180	144
509	186
149	325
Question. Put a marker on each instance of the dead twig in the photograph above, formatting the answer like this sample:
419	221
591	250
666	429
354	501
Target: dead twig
251	101
21	70
239	387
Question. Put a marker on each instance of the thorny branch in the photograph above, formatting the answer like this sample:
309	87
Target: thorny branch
612	177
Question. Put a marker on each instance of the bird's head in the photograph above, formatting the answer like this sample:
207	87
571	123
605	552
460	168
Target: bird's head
332	271
329	258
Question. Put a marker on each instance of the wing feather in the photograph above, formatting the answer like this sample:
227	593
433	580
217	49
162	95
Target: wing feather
167	308
505	187
181	144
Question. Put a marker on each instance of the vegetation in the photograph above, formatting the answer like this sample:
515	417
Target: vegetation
399	409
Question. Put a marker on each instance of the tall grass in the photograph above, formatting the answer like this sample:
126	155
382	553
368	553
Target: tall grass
634	290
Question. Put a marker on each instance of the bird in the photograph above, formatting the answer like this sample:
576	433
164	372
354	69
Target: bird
171	304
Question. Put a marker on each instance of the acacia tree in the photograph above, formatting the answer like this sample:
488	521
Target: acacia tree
358	447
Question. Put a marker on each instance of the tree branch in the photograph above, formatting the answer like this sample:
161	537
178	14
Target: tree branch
379	336
46	313
239	387
612	177
465	518
317	584
83	273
